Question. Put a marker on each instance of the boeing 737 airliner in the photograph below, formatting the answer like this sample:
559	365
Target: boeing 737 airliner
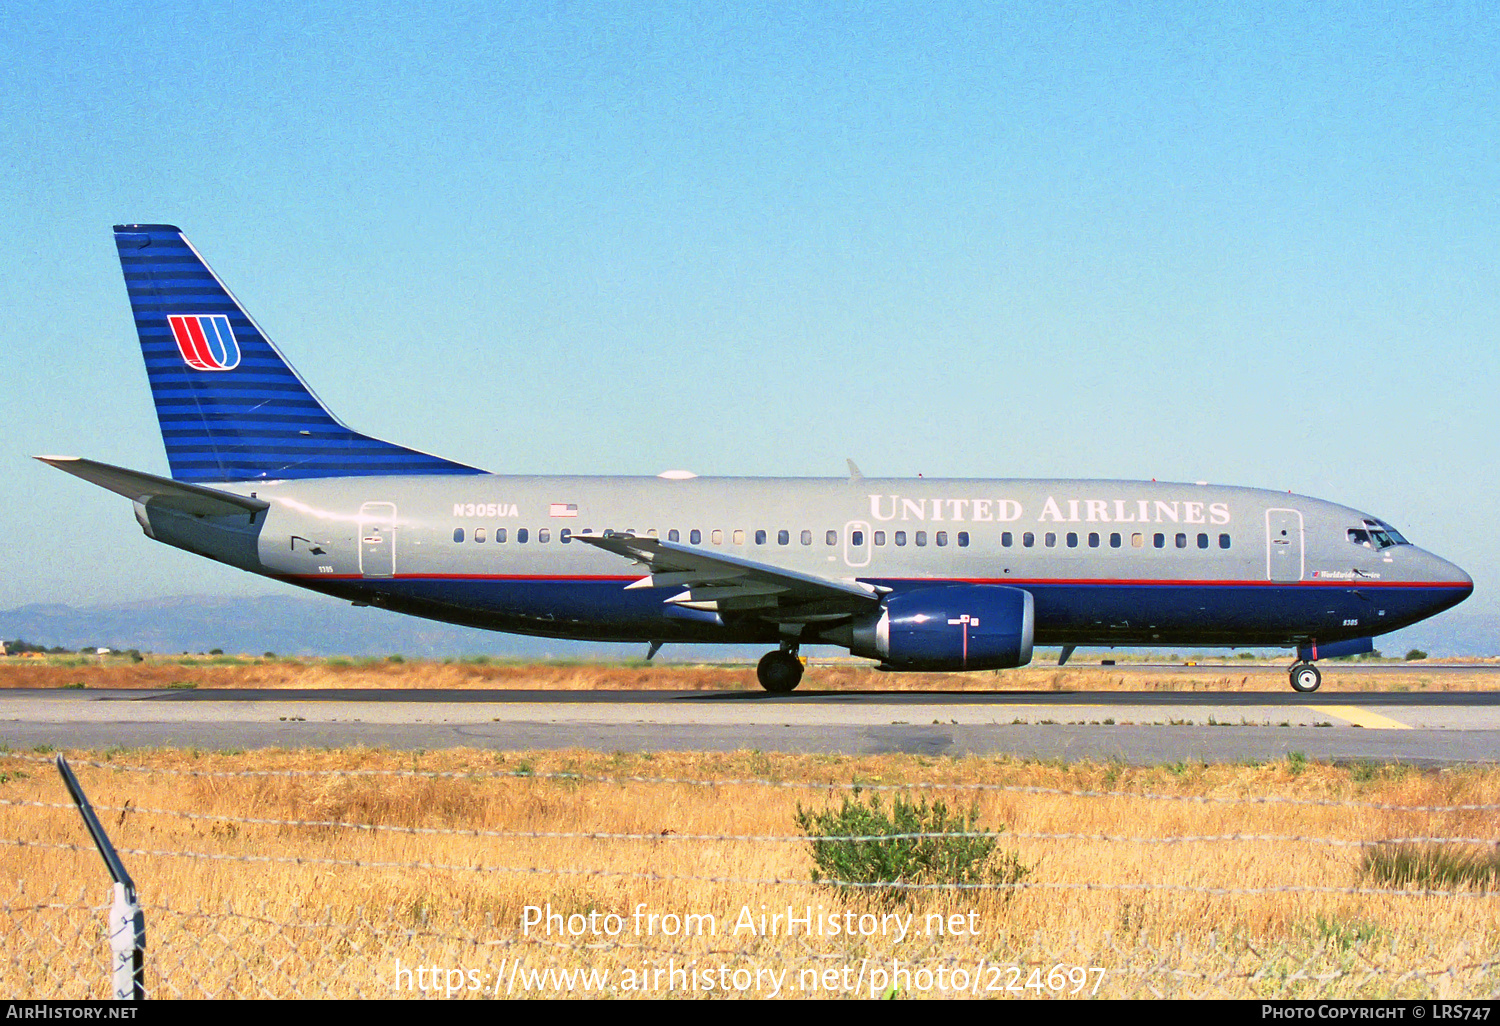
917	574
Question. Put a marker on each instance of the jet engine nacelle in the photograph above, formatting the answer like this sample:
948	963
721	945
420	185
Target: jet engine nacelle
952	627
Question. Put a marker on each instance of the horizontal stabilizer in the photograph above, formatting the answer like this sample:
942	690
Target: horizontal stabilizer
157	491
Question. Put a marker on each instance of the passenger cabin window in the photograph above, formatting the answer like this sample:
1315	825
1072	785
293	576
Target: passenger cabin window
1006	538
1114	540
900	537
921	537
879	537
963	539
1028	539
544	535
1137	541
717	537
1160	541
458	534
783	537
500	536
1223	541
565	535
672	535
1050	540
806	538
1072	539
695	536
1182	541
941	538
521	535
479	534
1093	539
1203	541
832	538
760	537
739	537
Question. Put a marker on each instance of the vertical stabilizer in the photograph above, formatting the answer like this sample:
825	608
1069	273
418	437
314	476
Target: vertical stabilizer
231	408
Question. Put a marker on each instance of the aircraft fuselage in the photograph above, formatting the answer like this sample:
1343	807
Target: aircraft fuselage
1107	562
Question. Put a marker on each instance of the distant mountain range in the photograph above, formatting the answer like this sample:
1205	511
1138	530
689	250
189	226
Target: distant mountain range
284	624
316	626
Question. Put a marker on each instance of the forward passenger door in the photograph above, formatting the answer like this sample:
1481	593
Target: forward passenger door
1284	560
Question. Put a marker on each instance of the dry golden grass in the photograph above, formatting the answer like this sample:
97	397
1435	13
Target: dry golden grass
230	672
309	923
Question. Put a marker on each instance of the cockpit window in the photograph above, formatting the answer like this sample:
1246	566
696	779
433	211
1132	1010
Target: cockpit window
1378	534
1360	537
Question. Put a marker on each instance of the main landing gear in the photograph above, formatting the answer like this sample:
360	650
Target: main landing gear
780	671
1305	677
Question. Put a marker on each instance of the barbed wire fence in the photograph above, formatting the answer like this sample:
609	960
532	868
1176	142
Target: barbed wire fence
59	942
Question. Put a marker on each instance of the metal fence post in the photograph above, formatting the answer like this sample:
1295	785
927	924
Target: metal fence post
127	923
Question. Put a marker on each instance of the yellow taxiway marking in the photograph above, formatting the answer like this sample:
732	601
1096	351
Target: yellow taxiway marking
1362	717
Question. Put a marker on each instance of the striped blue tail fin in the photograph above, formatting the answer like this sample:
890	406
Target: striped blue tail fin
231	408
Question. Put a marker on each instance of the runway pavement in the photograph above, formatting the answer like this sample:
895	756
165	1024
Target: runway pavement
1444	728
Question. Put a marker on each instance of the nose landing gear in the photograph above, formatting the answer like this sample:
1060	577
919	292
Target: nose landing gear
1305	677
780	671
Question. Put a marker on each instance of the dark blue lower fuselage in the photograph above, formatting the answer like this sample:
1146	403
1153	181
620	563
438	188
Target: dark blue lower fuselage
1073	612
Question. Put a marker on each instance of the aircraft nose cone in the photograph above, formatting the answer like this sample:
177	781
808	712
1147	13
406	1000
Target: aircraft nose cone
1460	577
1437	570
1453	585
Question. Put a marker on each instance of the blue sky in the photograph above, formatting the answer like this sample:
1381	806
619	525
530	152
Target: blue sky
1255	247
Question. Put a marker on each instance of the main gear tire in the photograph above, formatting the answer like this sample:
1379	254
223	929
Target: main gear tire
779	672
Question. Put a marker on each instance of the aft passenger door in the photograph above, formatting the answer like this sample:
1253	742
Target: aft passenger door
1284	545
377	539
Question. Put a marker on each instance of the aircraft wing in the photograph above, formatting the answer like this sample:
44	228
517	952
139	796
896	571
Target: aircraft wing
715	582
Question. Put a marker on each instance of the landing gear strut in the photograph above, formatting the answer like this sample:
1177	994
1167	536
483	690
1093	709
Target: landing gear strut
780	671
1305	677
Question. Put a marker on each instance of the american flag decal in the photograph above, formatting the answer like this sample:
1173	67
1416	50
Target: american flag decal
564	509
205	341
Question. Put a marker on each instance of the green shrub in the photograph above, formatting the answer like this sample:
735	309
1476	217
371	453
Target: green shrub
1415	653
973	859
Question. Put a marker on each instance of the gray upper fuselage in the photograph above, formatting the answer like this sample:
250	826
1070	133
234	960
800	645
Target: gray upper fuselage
728	512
